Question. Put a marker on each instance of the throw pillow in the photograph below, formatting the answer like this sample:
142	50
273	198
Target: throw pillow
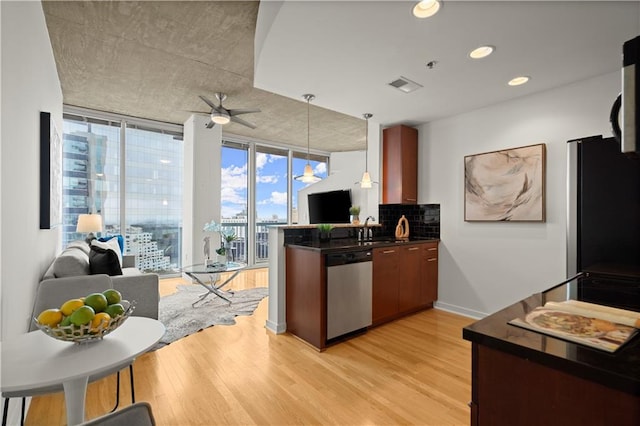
112	244
104	261
120	239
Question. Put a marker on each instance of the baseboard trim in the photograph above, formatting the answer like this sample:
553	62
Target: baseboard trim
275	328
454	309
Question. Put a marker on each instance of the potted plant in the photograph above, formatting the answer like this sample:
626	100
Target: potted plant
354	211
227	236
324	231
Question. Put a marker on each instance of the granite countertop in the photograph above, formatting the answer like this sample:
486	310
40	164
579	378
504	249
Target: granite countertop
345	244
619	370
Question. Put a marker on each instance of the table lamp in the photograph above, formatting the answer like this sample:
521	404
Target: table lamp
89	223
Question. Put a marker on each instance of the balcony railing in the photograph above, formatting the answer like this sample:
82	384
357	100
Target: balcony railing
260	237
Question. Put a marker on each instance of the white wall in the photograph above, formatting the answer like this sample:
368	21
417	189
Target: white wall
346	170
30	84
486	266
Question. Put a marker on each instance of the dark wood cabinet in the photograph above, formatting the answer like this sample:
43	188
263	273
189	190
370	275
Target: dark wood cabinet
400	165
429	274
405	280
385	284
306	295
409	281
541	395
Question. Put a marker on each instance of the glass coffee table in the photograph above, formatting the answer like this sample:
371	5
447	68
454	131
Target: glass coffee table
213	271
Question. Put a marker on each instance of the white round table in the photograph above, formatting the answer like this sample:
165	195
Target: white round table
34	360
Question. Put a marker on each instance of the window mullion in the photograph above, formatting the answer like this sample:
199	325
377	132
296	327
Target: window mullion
251	205
123	183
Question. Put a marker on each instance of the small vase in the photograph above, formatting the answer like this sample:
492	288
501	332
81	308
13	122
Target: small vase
228	252
355	219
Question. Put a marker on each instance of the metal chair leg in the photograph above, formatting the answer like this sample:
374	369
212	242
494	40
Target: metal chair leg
117	392
133	390
4	413
24	402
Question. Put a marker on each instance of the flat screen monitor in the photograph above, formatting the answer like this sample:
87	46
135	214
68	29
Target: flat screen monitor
329	207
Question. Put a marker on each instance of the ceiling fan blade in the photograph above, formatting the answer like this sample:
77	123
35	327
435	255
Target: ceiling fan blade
239	111
243	122
207	101
210	124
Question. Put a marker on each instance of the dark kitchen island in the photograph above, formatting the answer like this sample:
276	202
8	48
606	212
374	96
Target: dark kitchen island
521	377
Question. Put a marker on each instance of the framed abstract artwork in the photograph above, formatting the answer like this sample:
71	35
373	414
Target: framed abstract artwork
506	185
50	173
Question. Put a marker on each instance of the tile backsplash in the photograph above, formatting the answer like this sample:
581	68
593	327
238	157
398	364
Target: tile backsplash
424	219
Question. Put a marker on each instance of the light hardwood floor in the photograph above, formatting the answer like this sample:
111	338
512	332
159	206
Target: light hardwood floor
416	370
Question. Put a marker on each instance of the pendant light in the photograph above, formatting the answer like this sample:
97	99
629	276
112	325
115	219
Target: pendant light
308	176
366	182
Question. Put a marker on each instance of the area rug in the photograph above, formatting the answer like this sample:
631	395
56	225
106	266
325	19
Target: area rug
181	320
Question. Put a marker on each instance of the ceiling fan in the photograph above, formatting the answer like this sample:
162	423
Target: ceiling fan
221	115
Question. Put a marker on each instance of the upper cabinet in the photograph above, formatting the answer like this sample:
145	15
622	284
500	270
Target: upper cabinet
400	165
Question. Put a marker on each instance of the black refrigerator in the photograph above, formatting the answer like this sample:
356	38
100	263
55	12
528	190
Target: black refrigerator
603	219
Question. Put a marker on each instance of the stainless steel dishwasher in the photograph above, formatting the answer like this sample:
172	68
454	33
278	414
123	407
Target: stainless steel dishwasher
349	292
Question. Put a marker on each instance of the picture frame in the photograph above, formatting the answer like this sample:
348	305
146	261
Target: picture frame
50	173
506	185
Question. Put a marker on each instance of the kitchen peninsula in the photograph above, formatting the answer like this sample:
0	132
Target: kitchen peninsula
403	280
527	378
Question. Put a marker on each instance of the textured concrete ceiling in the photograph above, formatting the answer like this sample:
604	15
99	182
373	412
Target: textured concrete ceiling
152	59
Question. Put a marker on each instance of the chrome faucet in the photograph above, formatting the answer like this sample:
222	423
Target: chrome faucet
368	232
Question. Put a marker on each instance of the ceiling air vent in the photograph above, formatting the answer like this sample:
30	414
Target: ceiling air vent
405	85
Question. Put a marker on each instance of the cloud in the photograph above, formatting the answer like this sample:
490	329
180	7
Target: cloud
278	198
321	168
234	187
234	177
267	179
232	196
262	159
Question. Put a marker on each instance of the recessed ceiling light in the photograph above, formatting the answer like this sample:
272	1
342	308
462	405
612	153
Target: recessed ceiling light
481	52
165	161
426	8
517	81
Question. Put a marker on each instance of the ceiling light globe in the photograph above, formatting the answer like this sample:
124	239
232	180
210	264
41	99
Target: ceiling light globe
220	118
426	8
481	52
517	81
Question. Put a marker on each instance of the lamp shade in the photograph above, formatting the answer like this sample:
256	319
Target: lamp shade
89	223
308	176
366	181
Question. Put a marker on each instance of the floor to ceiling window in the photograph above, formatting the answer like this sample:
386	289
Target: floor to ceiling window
271	195
234	196
131	174
258	190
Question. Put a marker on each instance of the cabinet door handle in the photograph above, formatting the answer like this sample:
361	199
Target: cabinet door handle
413	248
388	251
411	199
433	259
432	249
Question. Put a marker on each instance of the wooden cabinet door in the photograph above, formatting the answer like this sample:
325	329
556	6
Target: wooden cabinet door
429	274
400	165
385	284
409	284
306	303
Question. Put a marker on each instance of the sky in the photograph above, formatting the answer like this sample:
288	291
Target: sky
271	183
